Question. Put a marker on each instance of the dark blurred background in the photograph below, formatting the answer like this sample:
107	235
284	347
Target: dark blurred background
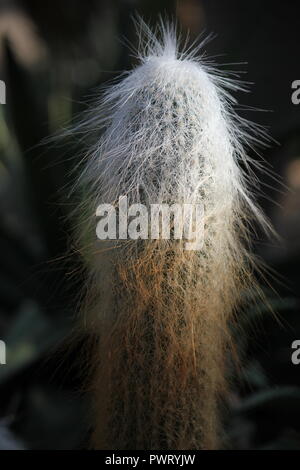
52	54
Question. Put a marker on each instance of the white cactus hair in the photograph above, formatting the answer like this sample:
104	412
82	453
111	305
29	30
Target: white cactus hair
166	132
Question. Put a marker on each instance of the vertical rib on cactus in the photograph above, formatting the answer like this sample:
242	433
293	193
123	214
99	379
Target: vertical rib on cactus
165	133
